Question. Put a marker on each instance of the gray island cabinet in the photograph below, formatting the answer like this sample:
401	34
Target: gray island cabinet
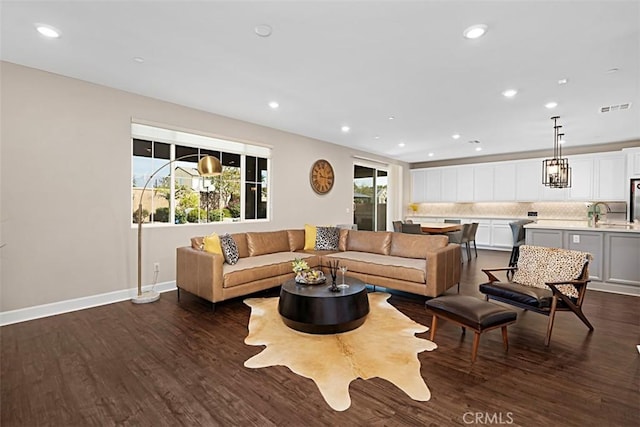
615	249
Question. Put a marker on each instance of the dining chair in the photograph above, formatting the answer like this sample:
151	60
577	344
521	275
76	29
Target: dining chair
471	238
397	226
412	229
452	221
459	237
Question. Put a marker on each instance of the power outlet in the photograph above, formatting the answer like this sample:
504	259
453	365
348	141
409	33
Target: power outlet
576	238
156	267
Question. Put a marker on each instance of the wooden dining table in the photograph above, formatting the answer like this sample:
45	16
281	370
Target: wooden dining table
439	227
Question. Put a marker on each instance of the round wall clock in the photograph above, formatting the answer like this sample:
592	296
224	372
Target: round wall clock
322	177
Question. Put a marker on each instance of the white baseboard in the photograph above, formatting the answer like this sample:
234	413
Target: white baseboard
614	288
60	307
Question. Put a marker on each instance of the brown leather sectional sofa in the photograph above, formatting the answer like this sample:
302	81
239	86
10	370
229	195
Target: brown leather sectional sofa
422	264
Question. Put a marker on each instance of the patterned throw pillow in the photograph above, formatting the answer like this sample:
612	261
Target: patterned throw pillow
327	238
229	249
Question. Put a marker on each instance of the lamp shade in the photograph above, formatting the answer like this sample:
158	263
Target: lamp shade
209	166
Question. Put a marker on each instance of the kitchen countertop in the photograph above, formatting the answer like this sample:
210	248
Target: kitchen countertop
620	227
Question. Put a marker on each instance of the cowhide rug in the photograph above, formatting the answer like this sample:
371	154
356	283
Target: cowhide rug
385	346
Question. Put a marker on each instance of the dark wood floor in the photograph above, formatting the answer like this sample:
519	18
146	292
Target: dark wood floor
170	363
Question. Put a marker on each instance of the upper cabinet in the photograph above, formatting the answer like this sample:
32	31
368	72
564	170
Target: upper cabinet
464	184
417	186
528	180
599	176
483	183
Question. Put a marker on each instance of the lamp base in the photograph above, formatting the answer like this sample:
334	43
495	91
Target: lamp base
146	297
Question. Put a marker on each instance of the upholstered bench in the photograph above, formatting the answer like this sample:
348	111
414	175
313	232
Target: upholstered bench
472	313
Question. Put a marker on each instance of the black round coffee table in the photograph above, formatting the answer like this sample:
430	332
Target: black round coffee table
314	309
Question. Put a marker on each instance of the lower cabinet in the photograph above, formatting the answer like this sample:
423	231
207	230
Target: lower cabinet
616	255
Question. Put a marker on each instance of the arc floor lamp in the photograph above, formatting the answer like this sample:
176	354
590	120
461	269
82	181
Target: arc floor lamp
207	166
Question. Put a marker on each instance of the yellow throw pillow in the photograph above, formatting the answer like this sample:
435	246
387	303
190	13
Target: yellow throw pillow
310	232
212	244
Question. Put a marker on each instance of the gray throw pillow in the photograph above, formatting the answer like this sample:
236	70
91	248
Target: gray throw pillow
327	238
229	249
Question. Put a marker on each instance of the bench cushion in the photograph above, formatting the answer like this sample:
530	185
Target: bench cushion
527	295
470	311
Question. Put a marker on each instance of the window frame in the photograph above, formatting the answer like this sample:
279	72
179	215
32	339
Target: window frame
193	140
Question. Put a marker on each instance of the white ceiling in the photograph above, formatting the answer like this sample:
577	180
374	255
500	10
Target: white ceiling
355	63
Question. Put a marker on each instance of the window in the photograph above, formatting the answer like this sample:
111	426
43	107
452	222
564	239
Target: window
177	194
369	198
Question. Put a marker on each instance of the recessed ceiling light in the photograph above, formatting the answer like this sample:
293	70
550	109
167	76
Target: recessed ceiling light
563	81
48	31
138	59
455	136
345	129
274	105
430	154
376	137
401	144
510	93
392	118
475	31
263	30
551	105
478	148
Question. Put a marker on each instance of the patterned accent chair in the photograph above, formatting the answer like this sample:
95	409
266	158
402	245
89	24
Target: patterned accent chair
545	281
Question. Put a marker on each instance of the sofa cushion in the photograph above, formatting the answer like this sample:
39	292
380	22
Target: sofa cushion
229	249
537	265
412	270
197	243
375	242
296	240
327	238
259	267
241	243
267	242
416	245
342	242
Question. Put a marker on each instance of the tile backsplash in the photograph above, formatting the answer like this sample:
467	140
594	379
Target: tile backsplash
546	210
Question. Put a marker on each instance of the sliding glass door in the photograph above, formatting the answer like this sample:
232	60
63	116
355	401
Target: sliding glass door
369	198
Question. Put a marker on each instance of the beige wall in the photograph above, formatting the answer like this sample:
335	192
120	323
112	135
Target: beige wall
65	203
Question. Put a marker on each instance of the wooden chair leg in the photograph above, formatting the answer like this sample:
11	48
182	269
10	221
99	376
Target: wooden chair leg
552	316
505	338
474	350
475	248
434	325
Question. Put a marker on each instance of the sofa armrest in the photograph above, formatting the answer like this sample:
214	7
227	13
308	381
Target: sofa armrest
199	273
443	268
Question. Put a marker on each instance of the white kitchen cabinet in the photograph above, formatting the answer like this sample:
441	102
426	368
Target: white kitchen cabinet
465	184
611	178
549	194
417	186
483	233
449	185
634	163
504	182
501	236
528	180
581	178
483	183
433	184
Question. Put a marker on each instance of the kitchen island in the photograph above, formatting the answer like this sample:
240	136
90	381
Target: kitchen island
615	249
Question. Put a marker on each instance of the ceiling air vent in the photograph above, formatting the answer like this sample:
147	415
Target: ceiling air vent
617	107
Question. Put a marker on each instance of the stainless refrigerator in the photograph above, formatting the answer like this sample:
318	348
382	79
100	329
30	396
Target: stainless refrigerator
634	201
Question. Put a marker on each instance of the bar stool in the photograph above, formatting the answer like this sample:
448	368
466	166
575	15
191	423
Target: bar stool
518	233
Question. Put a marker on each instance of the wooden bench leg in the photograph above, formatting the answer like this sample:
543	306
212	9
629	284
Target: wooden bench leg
505	339
434	325
476	342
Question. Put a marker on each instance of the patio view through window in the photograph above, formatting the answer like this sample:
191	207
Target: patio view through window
177	194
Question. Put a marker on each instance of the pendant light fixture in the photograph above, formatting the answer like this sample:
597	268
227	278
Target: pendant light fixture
556	172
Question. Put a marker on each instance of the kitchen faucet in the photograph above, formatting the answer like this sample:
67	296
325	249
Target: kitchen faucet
595	212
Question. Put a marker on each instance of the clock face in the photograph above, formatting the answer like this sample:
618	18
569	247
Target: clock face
322	177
